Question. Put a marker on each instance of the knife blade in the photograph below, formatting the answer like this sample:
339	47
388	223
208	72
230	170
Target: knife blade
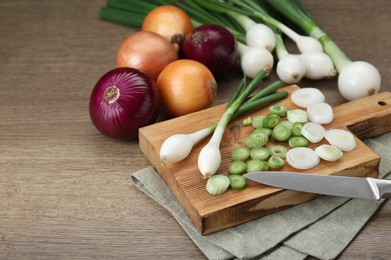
342	186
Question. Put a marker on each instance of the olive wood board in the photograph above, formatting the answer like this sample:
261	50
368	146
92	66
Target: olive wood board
366	117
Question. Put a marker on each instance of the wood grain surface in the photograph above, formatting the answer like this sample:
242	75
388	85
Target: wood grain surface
65	191
210	213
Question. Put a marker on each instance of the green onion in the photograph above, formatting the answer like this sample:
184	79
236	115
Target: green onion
275	162
281	133
237	182
240	154
237	167
279	110
257	165
271	121
278	151
357	79
256	140
217	184
261	153
298	141
266	131
257	121
296	128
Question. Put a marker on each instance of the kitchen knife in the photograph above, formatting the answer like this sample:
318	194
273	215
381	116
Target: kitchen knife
350	187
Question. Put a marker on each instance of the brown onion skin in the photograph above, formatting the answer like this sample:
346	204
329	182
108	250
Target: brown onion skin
148	52
212	45
137	105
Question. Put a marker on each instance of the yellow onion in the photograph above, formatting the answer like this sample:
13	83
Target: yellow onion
169	21
147	52
186	86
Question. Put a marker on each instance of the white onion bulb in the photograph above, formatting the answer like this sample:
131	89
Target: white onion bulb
255	59
359	79
290	69
260	36
318	65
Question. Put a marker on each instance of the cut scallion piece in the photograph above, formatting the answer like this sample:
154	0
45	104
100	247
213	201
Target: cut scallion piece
281	133
275	162
256	140
240	153
296	128
298	141
266	131
328	152
261	153
217	184
237	167
279	110
297	115
257	165
271	121
278	151
257	121
237	182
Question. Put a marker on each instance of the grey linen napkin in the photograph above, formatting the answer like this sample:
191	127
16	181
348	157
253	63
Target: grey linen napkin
321	228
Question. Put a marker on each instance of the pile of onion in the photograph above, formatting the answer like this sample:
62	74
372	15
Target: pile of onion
212	45
148	52
122	101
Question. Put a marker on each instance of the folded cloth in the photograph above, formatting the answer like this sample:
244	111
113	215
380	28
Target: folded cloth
321	228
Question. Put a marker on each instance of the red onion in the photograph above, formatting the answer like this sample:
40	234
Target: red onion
212	45
122	101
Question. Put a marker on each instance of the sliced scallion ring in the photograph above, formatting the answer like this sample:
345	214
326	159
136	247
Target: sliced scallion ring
237	167
297	115
240	153
306	96
328	152
302	158
342	139
217	184
313	132
321	113
237	182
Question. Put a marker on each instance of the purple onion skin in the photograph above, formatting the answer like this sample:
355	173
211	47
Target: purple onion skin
120	116
212	45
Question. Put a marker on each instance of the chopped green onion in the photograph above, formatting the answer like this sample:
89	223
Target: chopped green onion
275	162
256	140
313	132
279	110
296	128
246	121
237	182
297	115
237	167
281	133
328	152
298	141
278	151
217	184
271	121
240	153
266	131
261	153
257	121
257	165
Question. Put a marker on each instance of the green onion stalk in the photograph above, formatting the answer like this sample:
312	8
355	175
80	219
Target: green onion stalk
356	79
169	152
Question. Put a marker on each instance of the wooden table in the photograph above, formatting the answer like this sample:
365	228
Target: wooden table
65	191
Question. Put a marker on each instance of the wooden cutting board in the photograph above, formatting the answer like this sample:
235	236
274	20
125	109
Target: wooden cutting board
367	117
